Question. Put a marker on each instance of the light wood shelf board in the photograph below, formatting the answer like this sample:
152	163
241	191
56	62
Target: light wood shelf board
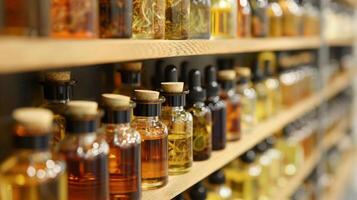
340	42
337	84
332	137
23	54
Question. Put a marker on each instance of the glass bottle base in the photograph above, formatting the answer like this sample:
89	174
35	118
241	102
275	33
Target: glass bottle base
153	183
176	170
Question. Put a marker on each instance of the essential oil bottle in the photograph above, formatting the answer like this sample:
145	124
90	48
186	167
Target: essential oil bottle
218	109
130	78
57	92
85	152
154	140
265	179
32	172
124	148
262	94
177	19
178	121
202	117
227	80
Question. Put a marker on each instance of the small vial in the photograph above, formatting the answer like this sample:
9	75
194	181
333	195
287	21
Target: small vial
244	19
275	14
85	152
218	109
154	141
202	118
177	19
227	80
124	148
223	19
260	19
130	77
200	19
32	172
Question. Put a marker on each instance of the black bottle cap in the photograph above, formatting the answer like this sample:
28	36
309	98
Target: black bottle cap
270	141
287	131
248	157
197	93
116	116
212	86
261	147
268	68
217	177
198	191
76	125
184	72
258	75
171	74
130	77
179	197
157	78
58	90
225	63
38	142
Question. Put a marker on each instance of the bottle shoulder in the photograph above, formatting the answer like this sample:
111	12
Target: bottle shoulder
149	127
121	136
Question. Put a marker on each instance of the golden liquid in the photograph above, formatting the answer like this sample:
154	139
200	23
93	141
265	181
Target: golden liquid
264	180
177	19
291	18
262	102
200	25
221	22
292	156
274	96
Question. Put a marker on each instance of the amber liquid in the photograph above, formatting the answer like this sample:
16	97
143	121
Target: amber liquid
221	22
233	118
180	153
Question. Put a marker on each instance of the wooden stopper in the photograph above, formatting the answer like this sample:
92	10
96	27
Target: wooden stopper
172	87
131	66
34	118
116	100
82	107
147	95
226	75
58	76
243	71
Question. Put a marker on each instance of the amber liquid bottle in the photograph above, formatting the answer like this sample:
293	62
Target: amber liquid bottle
124	148
130	78
85	152
244	19
260	20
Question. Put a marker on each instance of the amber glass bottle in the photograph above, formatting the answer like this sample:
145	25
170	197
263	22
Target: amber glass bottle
218	109
200	19
202	118
130	78
74	19
292	23
223	18
262	94
124	148
32	172
227	80
177	19
85	152
57	92
275	15
154	140
244	19
260	19
115	18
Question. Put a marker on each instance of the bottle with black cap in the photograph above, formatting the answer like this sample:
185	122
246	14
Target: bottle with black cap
178	121
124	147
218	109
217	188
57	92
202	118
130	78
32	172
198	191
262	93
276	157
85	152
265	179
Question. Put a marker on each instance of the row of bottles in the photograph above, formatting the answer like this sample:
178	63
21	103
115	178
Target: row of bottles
161	19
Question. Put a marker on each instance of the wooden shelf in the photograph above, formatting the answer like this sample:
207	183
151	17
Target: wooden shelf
23	54
340	42
333	136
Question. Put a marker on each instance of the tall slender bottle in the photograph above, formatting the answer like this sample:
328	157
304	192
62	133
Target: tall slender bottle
130	78
178	121
218	109
292	20
223	18
154	140
244	19
260	19
124	148
265	179
262	94
227	80
275	15
202	118
277	159
85	152
32	172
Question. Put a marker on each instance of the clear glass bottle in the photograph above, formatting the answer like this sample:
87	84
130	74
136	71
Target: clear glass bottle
57	92
218	109
154	139
124	148
177	19
260	19
115	18
223	18
244	19
85	152
200	19
202	118
32	172
265	179
275	15
292	17
248	98
227	80
262	94
217	189
74	19
130	78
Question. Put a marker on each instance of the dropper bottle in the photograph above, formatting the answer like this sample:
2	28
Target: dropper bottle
130	76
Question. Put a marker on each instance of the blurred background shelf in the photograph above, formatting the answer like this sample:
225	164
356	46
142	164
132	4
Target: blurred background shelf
340	42
333	136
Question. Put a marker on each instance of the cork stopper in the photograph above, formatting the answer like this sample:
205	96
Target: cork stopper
34	118
147	95
226	75
243	71
131	66
82	107
116	100
172	87
58	76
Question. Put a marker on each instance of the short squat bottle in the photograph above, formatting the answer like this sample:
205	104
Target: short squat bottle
124	148
85	152
218	109
130	78
154	141
202	118
200	19
177	19
227	80
57	92
32	172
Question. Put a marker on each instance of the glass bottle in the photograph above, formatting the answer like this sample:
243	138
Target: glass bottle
223	18
292	15
244	19
227	80
115	18
275	15
248	98
130	78
217	189
200	19
85	152
57	92
177	19
124	148
262	94
265	179
218	109
311	20
178	121
154	140
74	19
32	172
202	118
260	19
276	157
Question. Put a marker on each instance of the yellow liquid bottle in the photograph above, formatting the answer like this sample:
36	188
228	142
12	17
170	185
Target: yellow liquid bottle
262	108
266	188
223	18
